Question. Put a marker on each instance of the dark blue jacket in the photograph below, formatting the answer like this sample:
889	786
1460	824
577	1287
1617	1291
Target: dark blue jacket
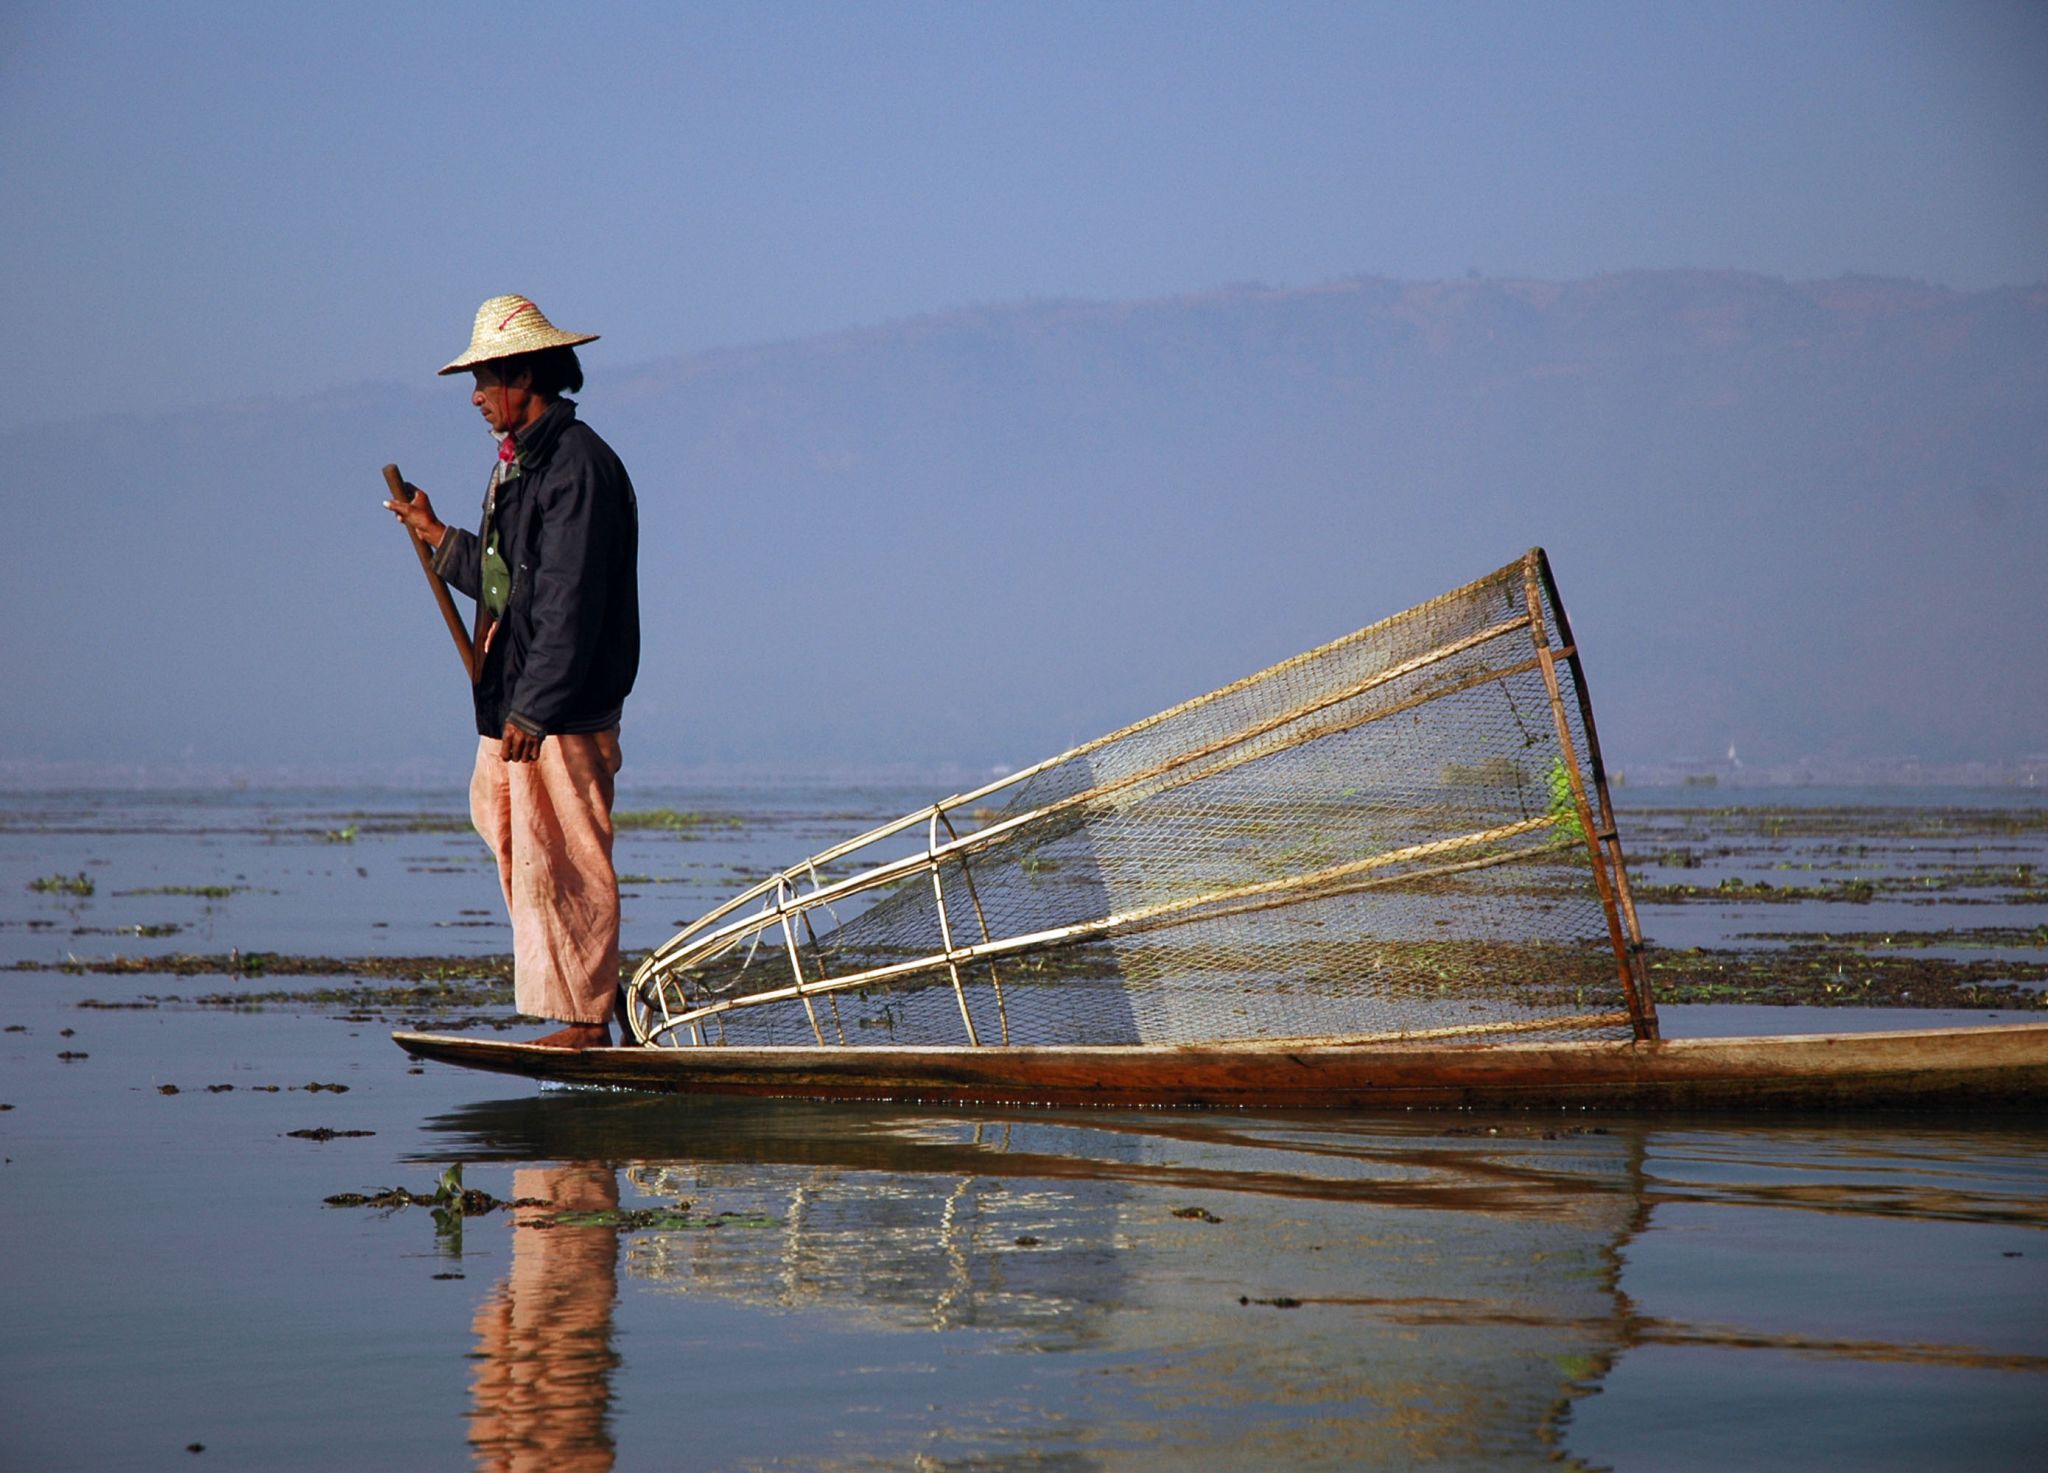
566	652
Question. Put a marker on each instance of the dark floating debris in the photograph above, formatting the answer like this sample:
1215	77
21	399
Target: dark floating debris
1278	1301
449	1199
1027	1241
326	1133
255	1089
1196	1214
473	1201
70	1055
451	1202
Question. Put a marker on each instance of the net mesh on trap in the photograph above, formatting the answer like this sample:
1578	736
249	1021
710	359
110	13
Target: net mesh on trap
1404	834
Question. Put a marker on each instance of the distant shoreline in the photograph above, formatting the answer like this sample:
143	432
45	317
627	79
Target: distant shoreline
1694	778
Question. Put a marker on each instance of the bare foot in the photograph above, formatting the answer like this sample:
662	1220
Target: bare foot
578	1036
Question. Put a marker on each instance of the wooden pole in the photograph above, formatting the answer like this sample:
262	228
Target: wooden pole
1609	832
402	494
1641	1010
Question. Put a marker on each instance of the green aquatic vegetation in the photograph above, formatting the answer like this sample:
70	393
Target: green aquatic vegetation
441	986
450	1202
1864	824
436	823
451	1206
672	820
1734	887
646	1217
78	884
204	892
285	964
1857	891
2017	884
432	997
449	990
369	823
1828	975
1993	877
411	823
659	1219
340	836
1978	938
1564	803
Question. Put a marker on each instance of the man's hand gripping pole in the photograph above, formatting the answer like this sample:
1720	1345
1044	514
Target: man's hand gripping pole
402	494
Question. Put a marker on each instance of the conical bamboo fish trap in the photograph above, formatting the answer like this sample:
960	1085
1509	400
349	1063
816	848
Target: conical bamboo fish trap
1402	835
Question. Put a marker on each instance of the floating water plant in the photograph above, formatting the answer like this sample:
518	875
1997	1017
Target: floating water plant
78	884
672	819
668	1219
1564	804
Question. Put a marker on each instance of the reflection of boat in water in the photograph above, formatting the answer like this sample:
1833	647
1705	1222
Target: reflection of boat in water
1373	1292
1261	1292
1385	872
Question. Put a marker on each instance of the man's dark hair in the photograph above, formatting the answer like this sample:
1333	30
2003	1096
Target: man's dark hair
555	371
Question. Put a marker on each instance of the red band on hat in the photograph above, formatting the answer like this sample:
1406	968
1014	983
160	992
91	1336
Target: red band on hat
522	307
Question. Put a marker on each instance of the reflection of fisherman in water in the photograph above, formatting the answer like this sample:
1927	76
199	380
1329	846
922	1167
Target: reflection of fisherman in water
544	1337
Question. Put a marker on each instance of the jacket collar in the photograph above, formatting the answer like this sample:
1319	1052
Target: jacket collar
537	440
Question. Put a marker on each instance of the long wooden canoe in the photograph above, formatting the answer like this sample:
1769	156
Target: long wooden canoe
2001	1065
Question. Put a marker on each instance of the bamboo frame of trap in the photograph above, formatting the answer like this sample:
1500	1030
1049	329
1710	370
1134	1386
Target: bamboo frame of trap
660	1013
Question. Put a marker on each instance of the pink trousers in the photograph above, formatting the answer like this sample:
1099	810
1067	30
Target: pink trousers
549	822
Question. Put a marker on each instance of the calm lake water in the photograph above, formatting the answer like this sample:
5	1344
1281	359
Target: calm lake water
789	1285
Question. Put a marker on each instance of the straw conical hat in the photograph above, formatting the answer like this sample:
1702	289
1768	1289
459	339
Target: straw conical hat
509	325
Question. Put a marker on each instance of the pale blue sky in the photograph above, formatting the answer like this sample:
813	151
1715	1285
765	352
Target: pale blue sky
208	201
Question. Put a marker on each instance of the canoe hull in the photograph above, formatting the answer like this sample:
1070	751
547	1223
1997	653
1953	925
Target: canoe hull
2004	1065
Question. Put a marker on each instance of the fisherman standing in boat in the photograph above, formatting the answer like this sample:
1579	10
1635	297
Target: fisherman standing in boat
554	571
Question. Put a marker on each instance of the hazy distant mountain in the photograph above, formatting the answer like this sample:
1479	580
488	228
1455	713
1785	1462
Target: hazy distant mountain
1804	518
